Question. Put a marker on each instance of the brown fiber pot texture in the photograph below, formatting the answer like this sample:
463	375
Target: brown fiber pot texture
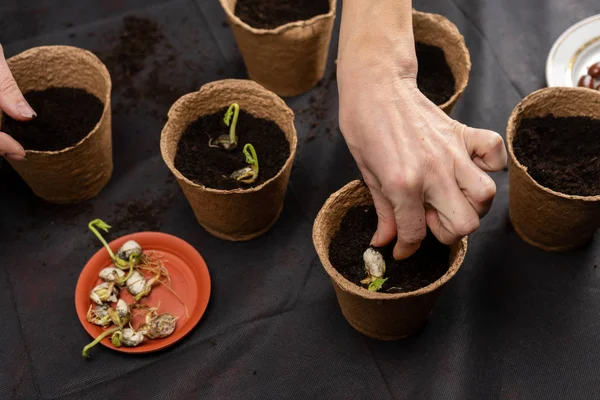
288	60
79	172
240	214
436	30
377	315
543	217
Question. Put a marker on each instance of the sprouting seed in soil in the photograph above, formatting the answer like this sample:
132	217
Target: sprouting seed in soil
374	265
99	315
377	284
158	325
250	173
228	142
104	292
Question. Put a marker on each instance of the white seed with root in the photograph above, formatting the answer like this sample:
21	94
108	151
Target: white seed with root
131	338
111	274
105	292
136	283
122	309
99	315
374	265
129	248
159	325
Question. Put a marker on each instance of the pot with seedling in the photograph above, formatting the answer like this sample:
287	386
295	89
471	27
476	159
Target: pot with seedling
554	167
213	143
68	144
285	47
380	297
444	60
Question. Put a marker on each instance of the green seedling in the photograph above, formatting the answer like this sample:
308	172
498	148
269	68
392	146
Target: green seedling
377	284
228	142
86	349
126	257
248	174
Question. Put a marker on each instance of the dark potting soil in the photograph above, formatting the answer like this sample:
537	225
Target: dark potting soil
211	167
137	41
64	117
561	153
269	14
347	246
434	79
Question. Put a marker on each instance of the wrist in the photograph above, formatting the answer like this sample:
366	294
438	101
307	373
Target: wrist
377	39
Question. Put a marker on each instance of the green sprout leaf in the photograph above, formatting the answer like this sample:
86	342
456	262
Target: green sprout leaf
376	285
99	224
230	119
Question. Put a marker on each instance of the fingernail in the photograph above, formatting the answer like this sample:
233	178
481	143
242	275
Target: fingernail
375	238
25	110
15	157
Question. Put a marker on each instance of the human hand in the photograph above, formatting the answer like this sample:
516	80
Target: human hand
14	104
422	167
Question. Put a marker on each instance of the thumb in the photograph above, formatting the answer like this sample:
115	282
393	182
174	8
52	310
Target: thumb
486	149
9	148
11	99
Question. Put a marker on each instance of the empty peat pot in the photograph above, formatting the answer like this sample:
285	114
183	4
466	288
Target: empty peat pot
384	316
541	216
437	30
80	171
289	59
241	213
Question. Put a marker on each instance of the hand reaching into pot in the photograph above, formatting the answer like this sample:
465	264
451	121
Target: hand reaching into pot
14	104
422	167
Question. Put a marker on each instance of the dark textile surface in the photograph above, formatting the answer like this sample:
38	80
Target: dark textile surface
515	323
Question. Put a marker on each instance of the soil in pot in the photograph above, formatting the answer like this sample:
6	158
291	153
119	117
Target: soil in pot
64	117
561	153
434	79
269	14
212	167
347	246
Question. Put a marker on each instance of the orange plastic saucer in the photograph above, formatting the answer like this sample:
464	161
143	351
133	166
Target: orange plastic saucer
189	279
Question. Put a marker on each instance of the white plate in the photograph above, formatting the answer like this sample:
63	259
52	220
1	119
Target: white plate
573	52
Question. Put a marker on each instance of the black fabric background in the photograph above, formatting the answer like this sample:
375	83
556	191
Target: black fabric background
515	323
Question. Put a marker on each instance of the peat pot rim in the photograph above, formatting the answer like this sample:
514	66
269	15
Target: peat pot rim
345	284
452	31
254	86
515	119
102	70
282	28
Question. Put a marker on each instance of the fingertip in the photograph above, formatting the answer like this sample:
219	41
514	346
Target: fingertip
382	236
403	251
16	157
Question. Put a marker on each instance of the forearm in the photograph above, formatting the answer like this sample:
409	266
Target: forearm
377	35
